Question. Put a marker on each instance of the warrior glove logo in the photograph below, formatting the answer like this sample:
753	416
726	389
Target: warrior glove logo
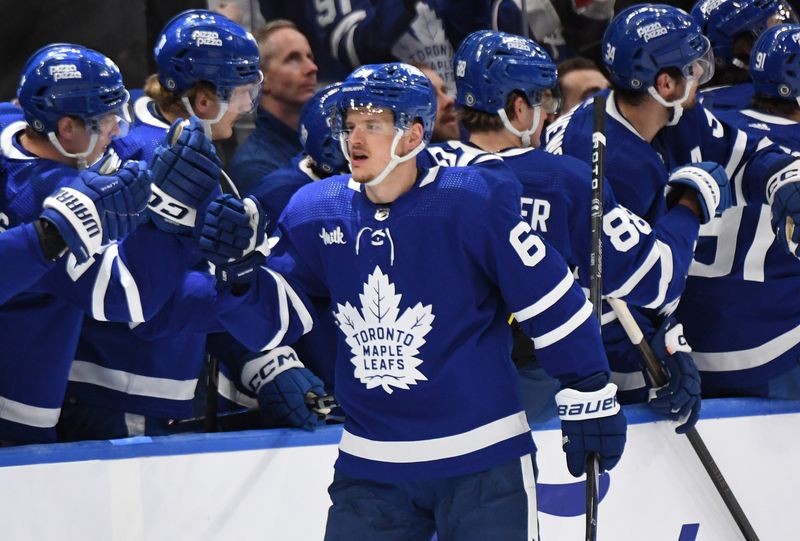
206	37
384	344
64	71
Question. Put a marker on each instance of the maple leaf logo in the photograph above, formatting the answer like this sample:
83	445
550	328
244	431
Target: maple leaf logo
384	346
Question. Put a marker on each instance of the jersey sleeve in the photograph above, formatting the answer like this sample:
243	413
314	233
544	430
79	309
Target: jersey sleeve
130	280
362	34
277	308
23	260
537	286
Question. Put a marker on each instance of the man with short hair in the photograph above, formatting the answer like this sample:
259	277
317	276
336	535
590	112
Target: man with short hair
579	78
446	126
290	79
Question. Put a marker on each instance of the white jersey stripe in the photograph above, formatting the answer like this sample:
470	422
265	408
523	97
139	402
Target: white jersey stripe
547	301
130	383
731	361
25	414
403	452
562	331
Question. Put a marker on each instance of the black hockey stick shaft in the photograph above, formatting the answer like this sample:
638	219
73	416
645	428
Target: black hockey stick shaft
596	286
659	379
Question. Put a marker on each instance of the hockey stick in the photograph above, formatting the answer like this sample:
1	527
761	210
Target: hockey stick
596	285
659	379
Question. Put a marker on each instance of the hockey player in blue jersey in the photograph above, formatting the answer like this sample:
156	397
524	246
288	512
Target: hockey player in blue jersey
120	385
73	101
753	345
502	82
732	27
427	266
80	218
652	114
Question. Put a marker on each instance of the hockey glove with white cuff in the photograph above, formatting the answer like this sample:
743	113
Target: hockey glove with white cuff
95	209
783	195
710	183
283	387
679	399
591	422
234	238
186	173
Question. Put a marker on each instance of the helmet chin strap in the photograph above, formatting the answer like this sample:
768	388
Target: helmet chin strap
525	135
676	105
394	160
207	123
80	156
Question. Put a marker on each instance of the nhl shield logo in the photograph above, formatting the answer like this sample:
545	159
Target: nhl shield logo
384	344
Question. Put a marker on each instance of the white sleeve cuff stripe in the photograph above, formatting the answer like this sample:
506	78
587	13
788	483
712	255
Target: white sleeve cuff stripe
130	383
637	276
101	282
667	271
562	331
298	306
131	290
547	301
283	310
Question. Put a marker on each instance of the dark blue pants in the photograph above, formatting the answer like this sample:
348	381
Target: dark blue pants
496	504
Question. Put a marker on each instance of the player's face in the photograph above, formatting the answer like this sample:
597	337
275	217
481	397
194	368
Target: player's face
446	125
369	133
291	74
106	127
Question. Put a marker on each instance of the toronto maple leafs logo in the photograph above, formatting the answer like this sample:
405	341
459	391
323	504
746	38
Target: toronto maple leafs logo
384	343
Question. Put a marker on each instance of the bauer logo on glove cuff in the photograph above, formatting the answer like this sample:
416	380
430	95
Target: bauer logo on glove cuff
170	209
266	367
578	406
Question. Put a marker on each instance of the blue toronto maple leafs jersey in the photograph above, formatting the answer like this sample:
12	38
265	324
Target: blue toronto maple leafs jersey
644	266
39	326
638	172
421	290
728	97
737	310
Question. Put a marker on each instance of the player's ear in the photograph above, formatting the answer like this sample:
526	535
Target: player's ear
66	128
415	135
205	103
665	84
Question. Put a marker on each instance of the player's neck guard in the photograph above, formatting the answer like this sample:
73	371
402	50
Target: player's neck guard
207	123
675	105
394	161
79	156
524	135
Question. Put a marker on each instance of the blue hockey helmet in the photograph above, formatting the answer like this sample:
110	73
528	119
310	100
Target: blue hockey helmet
723	20
398	87
199	45
315	129
775	62
490	65
644	39
63	79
